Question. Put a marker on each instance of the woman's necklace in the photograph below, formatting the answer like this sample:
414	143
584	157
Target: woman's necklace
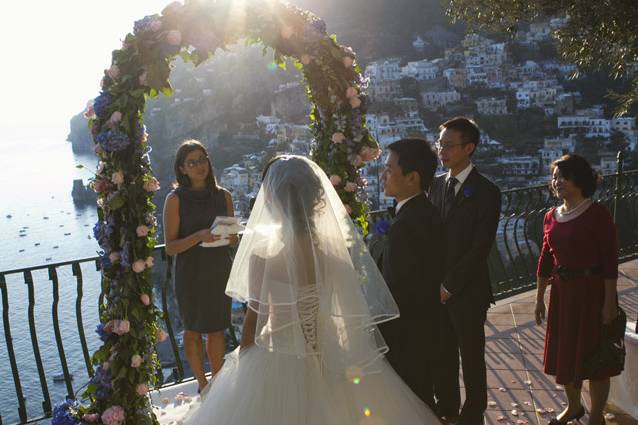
577	208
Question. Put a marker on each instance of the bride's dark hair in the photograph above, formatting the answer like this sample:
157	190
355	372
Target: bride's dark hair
297	189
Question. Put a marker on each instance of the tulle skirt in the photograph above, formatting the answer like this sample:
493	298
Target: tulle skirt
259	387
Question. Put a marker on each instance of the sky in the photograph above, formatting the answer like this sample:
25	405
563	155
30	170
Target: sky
53	56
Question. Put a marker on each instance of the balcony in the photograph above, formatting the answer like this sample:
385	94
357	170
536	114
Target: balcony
49	313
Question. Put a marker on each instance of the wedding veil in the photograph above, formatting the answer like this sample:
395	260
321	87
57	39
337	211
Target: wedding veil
304	269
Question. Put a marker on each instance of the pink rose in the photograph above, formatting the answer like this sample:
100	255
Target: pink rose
114	415
139	266
145	299
287	32
114	257
149	261
356	161
355	102
116	117
100	167
362	182
369	154
174	37
338	138
117	177
142	231
106	365
350	187
156	25
151	185
114	72
89	112
161	335
348	61
136	360
141	389
98	149
90	417
335	180
348	208
351	92
142	79
122	327
100	185
306	59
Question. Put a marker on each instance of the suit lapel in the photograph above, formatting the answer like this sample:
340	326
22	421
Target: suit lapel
468	184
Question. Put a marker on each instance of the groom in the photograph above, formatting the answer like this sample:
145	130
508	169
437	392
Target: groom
470	205
412	264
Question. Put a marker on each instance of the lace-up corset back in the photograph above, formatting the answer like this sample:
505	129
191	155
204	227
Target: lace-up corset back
308	310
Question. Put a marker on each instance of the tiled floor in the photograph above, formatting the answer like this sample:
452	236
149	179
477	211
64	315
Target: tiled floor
519	393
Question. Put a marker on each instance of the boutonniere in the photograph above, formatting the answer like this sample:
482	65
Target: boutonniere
468	192
381	227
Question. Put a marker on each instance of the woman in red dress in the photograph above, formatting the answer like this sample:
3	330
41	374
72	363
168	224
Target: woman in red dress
580	259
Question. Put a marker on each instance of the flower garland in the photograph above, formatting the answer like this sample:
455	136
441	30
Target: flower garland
126	365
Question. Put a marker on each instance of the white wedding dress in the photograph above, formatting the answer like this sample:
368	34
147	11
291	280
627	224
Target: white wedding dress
317	297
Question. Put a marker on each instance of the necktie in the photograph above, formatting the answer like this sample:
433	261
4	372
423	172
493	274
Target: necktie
450	194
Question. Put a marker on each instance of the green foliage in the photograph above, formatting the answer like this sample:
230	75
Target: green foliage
598	35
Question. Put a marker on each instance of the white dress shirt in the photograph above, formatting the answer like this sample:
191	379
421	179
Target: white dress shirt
460	177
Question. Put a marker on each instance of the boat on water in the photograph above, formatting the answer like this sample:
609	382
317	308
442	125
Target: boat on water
60	377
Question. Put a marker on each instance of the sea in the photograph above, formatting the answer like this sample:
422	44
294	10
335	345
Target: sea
41	225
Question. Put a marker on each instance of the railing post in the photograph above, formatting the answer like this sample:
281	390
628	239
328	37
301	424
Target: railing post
618	188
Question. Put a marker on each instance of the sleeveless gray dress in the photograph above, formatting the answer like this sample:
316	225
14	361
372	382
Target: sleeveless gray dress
201	274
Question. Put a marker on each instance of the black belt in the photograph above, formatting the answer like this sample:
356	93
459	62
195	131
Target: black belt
568	273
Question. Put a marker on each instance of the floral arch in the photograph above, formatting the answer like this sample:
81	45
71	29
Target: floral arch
126	365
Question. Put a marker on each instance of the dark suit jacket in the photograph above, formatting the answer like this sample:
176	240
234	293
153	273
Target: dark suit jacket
413	267
470	230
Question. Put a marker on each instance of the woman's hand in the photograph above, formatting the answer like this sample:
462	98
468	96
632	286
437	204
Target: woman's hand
610	311
539	312
204	235
233	239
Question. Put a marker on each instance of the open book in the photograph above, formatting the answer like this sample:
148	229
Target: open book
223	226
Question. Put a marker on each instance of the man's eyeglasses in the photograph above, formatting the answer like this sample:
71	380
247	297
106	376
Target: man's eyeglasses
194	163
439	147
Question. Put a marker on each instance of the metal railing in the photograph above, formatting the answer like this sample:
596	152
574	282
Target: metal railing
43	278
514	255
512	265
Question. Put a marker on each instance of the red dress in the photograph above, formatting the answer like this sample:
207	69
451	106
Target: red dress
574	317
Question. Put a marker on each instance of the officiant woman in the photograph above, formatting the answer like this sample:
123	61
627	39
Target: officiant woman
200	273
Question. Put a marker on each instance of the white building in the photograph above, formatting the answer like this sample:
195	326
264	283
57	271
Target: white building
593	127
384	90
521	165
491	106
626	125
421	70
388	69
456	77
418	43
437	100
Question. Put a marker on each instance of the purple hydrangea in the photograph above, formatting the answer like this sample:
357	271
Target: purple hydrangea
125	255
63	413
104	335
144	24
102	379
101	104
113	140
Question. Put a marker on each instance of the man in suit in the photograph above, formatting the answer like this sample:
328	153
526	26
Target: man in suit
470	206
412	264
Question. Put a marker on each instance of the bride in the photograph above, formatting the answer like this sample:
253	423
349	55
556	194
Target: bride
310	352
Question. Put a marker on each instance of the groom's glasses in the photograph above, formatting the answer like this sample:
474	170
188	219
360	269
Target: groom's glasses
194	163
446	147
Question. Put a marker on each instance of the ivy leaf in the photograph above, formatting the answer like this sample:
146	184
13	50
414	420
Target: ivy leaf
116	203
